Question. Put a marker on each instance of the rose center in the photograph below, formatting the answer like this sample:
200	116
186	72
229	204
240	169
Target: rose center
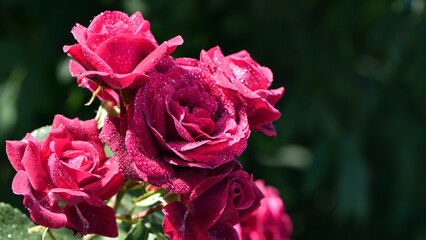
78	160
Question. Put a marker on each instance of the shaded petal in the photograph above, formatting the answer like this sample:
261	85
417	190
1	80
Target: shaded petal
223	231
209	207
59	176
76	197
178	223
110	183
85	219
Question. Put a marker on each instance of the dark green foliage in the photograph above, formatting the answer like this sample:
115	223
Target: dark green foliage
349	156
147	229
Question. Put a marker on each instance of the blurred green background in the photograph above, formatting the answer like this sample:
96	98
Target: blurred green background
350	154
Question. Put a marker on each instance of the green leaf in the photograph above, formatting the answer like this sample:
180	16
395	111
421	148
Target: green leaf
41	133
149	228
108	151
61	234
139	231
150	198
121	235
15	224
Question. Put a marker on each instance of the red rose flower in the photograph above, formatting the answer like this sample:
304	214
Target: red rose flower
181	120
240	73
222	199
116	50
269	221
66	177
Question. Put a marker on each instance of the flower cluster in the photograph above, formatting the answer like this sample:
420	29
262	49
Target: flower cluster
180	126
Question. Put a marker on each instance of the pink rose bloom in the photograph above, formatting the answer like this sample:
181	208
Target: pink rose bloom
180	121
66	177
222	199
116	51
240	73
269	221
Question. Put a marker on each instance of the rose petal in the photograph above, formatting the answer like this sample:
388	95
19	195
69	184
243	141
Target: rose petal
223	231
178	223
85	219
15	151
76	52
80	33
152	167
59	176
124	52
42	211
32	162
105	25
76	197
161	51
111	180
205	214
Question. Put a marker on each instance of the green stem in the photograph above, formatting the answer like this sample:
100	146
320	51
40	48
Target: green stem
128	185
142	214
50	234
118	198
160	191
90	236
171	197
